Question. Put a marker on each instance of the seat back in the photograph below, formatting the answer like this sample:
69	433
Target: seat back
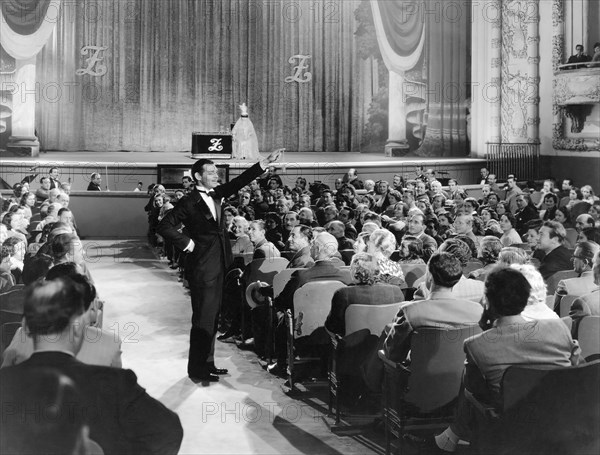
265	269
372	317
536	197
550	301
552	282
281	279
588	336
12	300
437	364
312	303
518	382
547	410
565	305
412	272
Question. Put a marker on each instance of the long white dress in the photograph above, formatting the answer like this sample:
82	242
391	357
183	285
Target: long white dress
245	142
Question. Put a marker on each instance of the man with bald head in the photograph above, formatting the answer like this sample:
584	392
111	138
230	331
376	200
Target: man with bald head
323	248
584	221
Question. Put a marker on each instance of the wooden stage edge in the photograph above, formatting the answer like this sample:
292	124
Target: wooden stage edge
122	170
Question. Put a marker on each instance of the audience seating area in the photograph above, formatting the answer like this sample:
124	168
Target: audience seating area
376	238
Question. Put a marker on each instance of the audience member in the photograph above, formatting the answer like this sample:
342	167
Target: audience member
588	304
536	307
127	419
510	235
507	292
367	289
95	181
557	258
299	242
411	250
381	245
241	243
512	191
416	228
263	249
489	251
583	261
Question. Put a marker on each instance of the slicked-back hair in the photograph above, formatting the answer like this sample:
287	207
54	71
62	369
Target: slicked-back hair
507	291
445	269
199	165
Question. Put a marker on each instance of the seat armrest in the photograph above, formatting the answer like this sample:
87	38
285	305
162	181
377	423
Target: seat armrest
484	409
390	364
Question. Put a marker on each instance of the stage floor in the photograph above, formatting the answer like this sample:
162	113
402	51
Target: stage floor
346	159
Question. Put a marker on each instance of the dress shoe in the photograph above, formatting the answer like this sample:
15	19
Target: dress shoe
247	345
228	334
207	377
218	371
278	369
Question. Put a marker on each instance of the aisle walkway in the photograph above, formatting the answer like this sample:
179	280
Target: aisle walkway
246	412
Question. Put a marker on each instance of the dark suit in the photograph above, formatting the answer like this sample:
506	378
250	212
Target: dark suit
122	417
301	259
378	294
206	265
93	187
555	261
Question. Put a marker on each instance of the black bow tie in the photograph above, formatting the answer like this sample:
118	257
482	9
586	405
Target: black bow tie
210	193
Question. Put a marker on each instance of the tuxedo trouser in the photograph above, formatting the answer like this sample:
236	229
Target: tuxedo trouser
205	276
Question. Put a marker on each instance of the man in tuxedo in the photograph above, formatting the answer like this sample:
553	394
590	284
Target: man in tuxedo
95	181
209	254
54	174
122	417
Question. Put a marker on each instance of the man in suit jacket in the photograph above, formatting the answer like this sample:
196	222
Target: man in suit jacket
122	417
95	181
53	174
440	309
263	249
208	255
552	237
416	227
508	340
588	304
299	241
583	261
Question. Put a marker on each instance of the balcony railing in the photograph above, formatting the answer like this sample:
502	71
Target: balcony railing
520	159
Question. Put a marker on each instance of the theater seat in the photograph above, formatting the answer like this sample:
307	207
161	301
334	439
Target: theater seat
552	281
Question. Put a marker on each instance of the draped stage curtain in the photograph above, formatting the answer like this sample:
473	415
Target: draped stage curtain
431	43
178	66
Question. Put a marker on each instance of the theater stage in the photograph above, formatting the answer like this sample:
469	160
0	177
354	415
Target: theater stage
123	170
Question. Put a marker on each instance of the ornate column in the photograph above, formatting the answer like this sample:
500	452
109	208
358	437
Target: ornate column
23	141
397	143
533	59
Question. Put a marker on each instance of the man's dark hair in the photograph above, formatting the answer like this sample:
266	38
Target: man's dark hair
535	224
507	291
306	231
327	191
71	270
185	177
557	230
63	210
44	178
445	269
35	267
470	243
51	169
50	305
198	165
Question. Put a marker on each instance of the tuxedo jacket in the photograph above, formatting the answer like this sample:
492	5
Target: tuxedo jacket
122	417
377	294
201	226
321	271
93	187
